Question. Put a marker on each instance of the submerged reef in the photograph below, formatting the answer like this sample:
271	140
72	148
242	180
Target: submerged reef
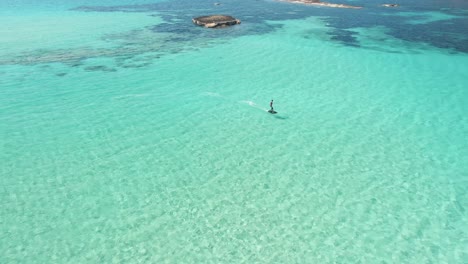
318	3
215	21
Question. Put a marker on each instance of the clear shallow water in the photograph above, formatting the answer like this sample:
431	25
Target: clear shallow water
154	145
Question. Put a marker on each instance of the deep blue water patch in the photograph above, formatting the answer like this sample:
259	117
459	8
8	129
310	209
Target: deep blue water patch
450	32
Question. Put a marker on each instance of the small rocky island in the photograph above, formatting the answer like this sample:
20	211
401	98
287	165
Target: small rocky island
215	21
318	3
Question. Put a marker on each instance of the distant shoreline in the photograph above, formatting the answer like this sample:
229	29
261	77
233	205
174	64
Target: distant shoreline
318	3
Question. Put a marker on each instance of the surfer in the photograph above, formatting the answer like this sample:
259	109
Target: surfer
271	106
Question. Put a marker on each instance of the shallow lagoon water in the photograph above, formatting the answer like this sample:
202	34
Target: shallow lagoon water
154	145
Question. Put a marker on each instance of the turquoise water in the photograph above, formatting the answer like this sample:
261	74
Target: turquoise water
130	135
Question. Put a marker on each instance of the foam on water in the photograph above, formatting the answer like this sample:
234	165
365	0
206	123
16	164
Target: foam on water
160	154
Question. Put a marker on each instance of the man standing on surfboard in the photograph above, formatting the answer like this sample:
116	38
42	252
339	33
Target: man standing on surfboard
271	106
